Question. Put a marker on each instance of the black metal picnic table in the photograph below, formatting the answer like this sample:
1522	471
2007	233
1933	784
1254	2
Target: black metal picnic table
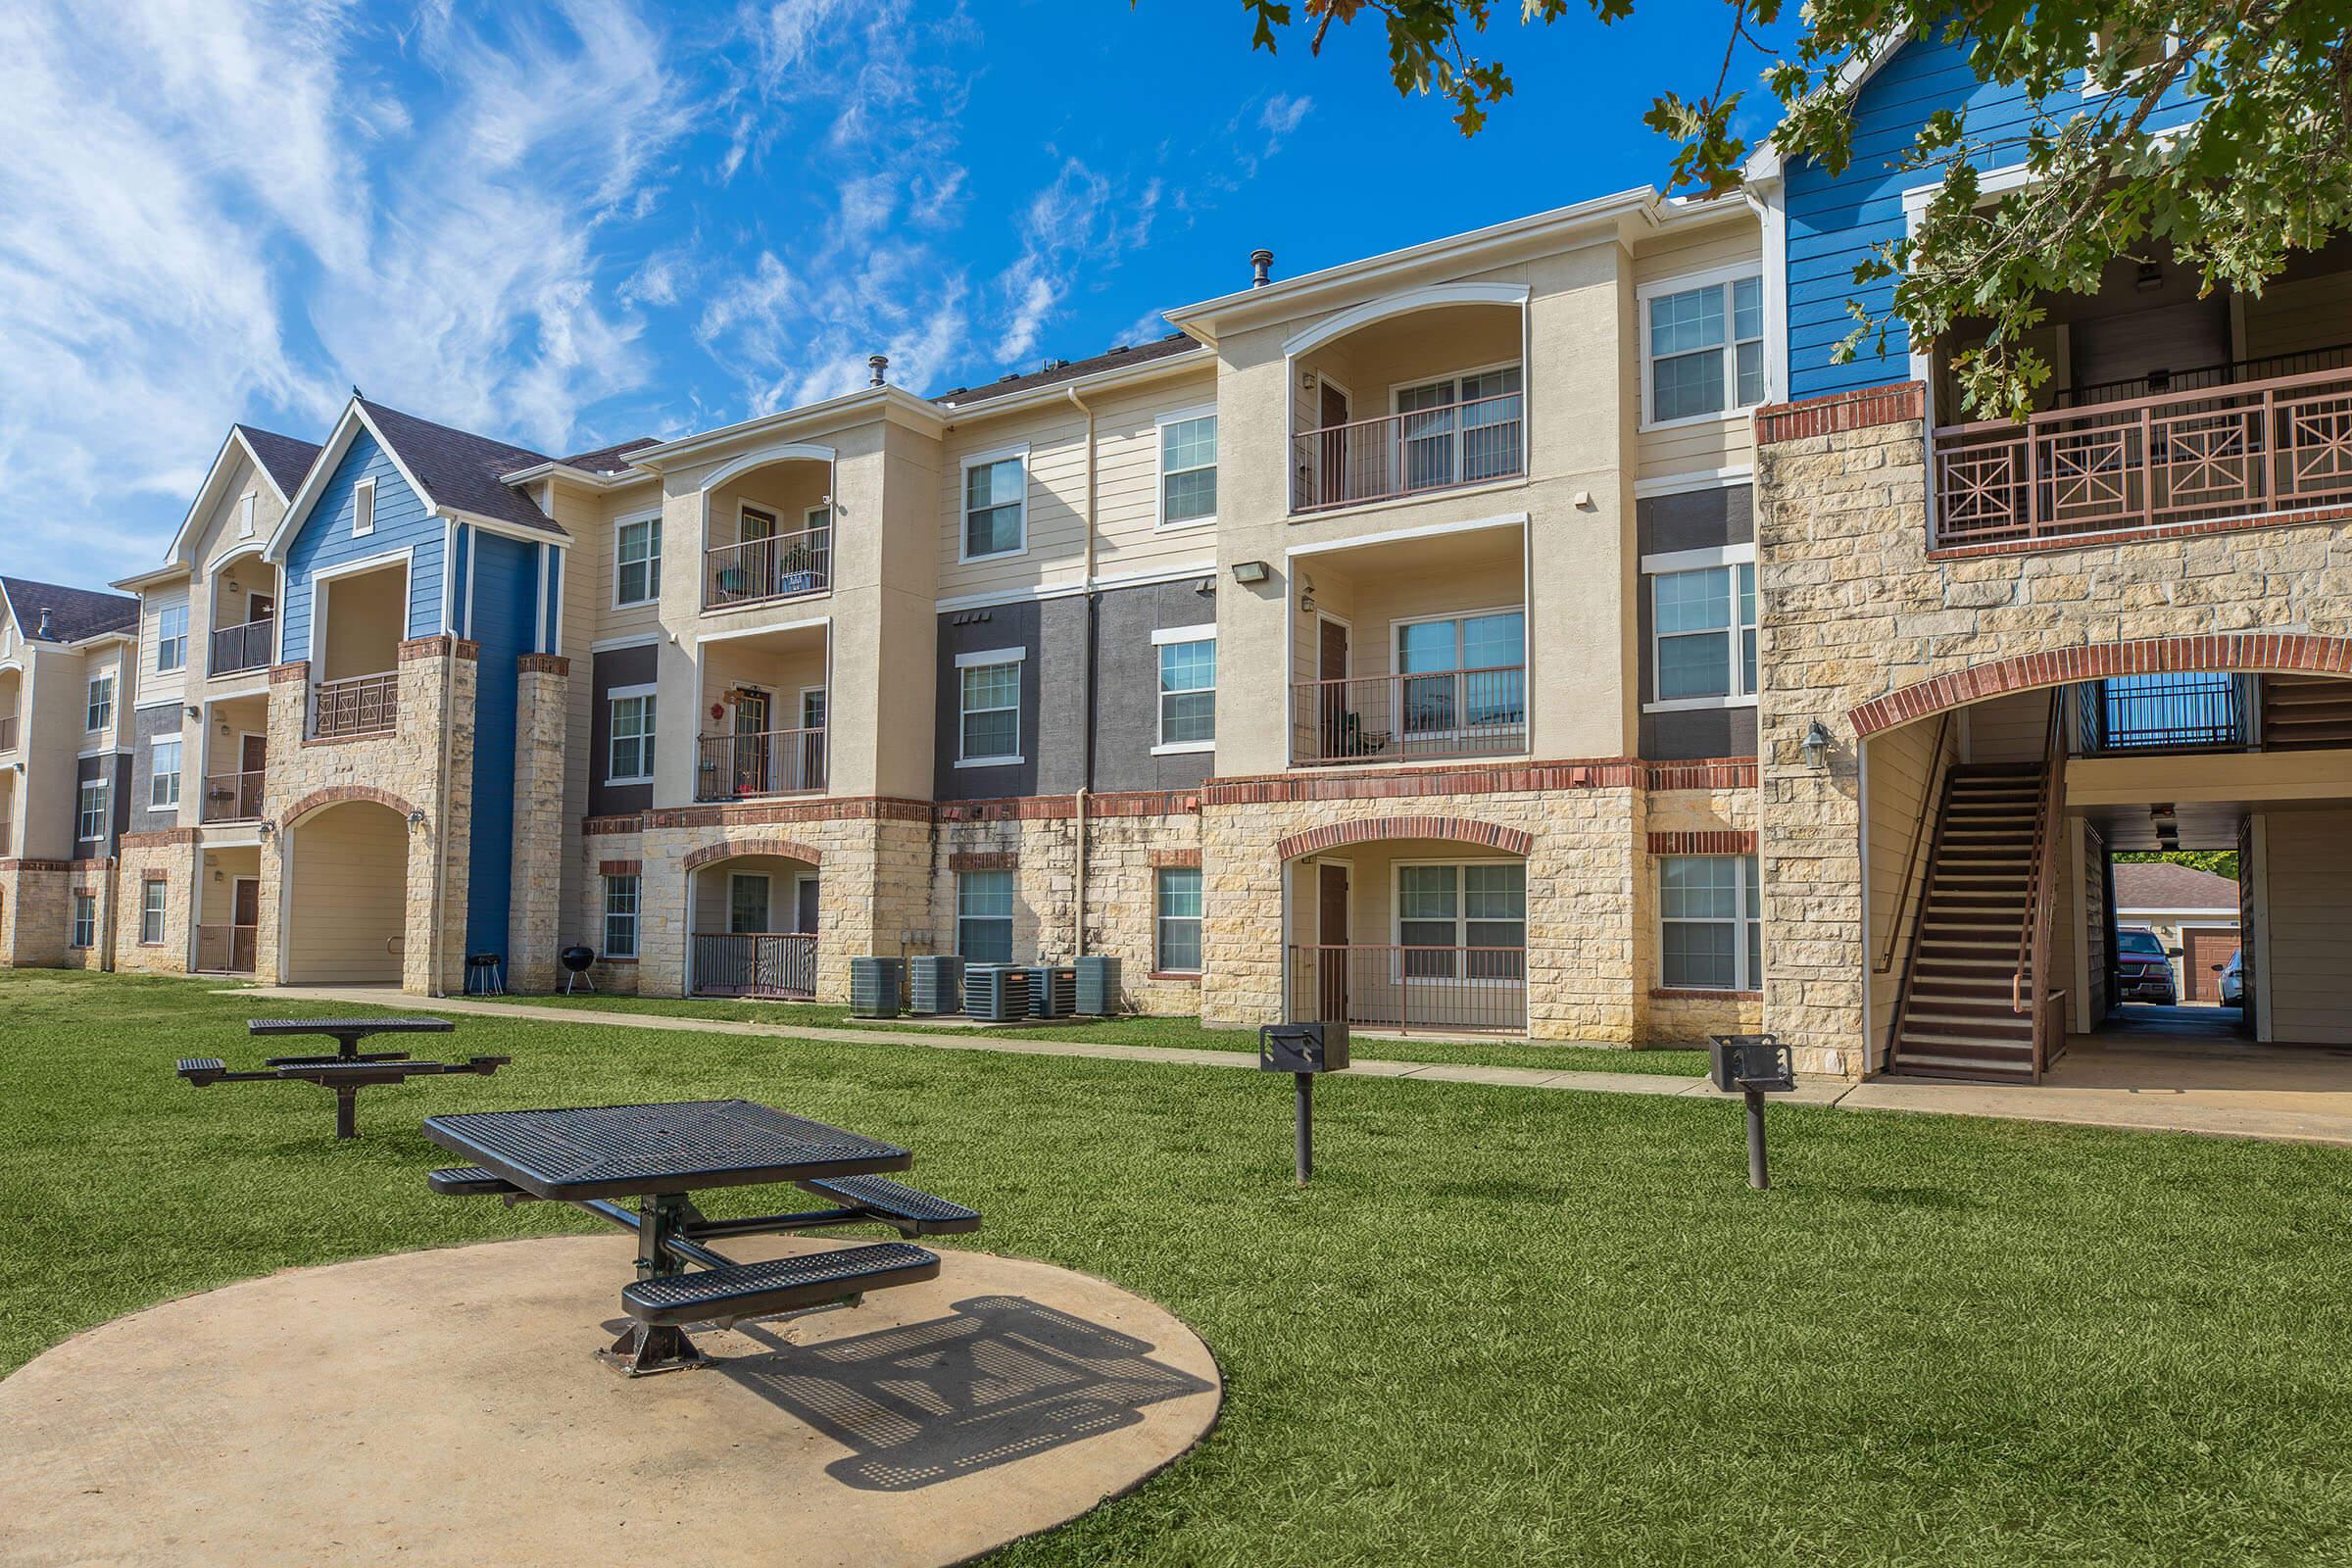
350	1069
663	1154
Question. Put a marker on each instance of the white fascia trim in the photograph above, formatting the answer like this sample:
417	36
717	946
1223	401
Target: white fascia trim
1182	748
1694	559
613	644
1436	296
2167	913
351	568
1185	634
807	625
761	458
1431	530
181	539
990	761
1687	705
1768	199
156	701
991	656
1677	485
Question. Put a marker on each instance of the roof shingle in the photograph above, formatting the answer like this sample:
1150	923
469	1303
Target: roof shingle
461	470
74	613
287	459
2164	885
609	460
1071	369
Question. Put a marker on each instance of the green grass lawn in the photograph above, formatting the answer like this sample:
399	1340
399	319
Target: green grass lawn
1504	1326
1185	1033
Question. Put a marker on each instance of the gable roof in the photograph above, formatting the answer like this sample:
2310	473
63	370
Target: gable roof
460	471
283	458
74	613
2165	885
609	460
1059	371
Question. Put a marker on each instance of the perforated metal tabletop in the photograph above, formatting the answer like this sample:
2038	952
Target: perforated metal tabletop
619	1150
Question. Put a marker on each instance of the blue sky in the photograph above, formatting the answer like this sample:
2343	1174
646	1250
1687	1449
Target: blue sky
574	223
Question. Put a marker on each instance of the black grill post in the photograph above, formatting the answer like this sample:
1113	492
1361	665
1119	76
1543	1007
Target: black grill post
1303	1049
1756	1065
1305	1130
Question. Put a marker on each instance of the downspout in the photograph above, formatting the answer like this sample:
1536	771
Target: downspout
448	727
1087	769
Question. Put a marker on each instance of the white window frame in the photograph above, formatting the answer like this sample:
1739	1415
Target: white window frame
1178	636
1397	418
824	704
982	657
768	901
646	690
1011	917
100	705
1457	617
156	775
964	509
630	916
1161	920
82	932
1462	920
653	559
1749	867
1679	561
164	639
1721	278
155	908
83	810
363	508
1161	469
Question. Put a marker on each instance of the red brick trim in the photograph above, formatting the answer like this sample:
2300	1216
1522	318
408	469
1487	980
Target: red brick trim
2263	652
1175	860
601	826
160	838
1677	992
1515	778
337	795
730	849
36	866
1065	808
848	808
1705	840
1453	829
287	674
438	645
1841	411
544	664
984	860
2127	536
620	867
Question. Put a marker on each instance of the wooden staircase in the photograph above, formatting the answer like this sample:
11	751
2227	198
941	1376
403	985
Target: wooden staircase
1956	1015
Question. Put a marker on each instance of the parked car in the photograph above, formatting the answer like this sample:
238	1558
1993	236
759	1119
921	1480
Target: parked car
2143	970
2233	980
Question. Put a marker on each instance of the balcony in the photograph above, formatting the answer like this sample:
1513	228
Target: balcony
2193	712
754	571
359	704
776	967
1385	986
1412	454
779	762
8	732
226	949
1410	717
232	797
238	648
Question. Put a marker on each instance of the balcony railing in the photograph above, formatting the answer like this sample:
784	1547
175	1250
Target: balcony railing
776	965
8	732
775	762
237	648
1410	454
1404	718
782	567
232	797
1409	988
2158	384
359	704
2163	712
226	949
2250	450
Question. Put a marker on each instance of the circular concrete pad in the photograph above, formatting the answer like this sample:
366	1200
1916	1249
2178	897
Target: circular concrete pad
446	1408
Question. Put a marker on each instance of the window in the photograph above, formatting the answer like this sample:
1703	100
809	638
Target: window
747	902
101	711
620	916
637	572
163	770
984	916
1711	919
89	823
85	920
630	758
812	708
172	638
154	897
248	505
1461	671
1466	921
362	508
1188	689
1178	951
996	504
1686	339
1705	632
1459	430
989	721
1188	469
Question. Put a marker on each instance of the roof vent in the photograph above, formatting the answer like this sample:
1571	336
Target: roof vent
1262	268
1118	348
44	628
1010	376
1057	365
877	368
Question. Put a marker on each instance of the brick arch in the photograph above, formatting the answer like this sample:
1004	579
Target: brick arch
2234	653
1457	829
729	848
336	794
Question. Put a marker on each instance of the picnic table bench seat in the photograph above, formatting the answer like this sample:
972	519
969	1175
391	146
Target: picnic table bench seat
202	1070
470	1181
896	1204
779	1284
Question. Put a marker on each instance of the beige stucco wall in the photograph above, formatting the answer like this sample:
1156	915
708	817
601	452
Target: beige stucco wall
348	890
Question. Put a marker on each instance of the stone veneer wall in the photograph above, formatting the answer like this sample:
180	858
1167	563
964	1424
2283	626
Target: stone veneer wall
1854	606
35	909
535	915
167	854
95	877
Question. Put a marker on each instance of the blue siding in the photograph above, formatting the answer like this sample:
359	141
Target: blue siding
1835	221
324	540
504	592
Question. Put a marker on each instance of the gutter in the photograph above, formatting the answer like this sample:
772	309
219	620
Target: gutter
1093	604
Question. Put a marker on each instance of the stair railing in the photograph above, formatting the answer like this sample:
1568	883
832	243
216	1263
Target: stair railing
2036	929
1930	804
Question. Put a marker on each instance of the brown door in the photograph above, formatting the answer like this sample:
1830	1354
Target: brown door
1331	939
2203	953
1331	700
245	916
253	754
1331	413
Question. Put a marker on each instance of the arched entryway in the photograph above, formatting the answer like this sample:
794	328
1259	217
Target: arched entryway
752	919
343	918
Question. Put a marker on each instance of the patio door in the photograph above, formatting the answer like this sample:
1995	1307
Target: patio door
1330	418
751	772
1331	669
805	906
245	922
1331	941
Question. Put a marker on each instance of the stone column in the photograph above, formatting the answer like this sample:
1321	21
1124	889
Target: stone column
536	914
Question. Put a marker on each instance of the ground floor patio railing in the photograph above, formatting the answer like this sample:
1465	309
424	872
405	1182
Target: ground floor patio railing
226	949
776	965
1430	989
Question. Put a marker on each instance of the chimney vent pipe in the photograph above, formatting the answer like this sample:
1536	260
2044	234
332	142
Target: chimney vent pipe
876	365
1262	268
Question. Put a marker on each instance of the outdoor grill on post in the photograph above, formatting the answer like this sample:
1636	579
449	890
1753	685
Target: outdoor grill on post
1303	1049
1756	1065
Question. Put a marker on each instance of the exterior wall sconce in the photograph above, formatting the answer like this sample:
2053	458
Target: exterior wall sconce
196	712
1252	572
415	819
1816	745
268	827
1306	597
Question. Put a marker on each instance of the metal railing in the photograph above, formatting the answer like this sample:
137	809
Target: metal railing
1410	454
2163	712
232	797
8	732
774	964
2277	445
2157	384
1393	718
358	705
775	762
238	648
781	567
1387	986
226	949
2029	987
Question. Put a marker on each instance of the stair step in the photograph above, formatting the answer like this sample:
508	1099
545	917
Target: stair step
1973	1070
1972	1046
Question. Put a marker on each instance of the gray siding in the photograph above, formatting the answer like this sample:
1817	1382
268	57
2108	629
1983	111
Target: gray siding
624	667
1127	714
153	724
965	631
1696	520
114	767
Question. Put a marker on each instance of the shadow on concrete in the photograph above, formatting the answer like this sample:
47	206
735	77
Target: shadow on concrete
999	1379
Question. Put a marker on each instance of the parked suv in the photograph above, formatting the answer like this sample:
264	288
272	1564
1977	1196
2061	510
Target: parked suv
2143	970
